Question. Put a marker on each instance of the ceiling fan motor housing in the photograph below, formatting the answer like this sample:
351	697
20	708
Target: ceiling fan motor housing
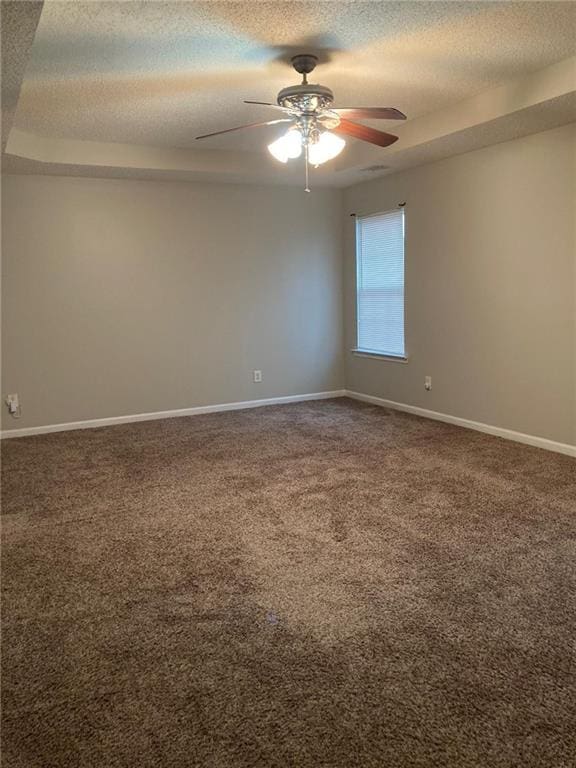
304	63
306	97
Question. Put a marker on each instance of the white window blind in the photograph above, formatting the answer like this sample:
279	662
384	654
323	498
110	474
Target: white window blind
380	283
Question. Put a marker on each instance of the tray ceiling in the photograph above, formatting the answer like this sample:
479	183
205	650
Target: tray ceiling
157	74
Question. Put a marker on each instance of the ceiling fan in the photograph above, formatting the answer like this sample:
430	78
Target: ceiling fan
317	127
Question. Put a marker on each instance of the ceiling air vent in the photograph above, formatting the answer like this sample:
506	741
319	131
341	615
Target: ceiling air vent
375	168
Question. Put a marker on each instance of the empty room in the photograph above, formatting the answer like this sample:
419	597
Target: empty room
288	365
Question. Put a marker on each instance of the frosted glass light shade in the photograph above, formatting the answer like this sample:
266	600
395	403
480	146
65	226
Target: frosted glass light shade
328	146
287	147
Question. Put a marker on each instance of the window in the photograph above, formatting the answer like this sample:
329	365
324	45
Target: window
380	283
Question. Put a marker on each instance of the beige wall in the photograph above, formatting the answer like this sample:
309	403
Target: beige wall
122	297
490	286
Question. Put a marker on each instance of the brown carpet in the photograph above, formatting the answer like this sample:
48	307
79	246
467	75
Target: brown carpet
319	584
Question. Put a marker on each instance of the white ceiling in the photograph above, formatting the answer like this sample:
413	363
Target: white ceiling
157	74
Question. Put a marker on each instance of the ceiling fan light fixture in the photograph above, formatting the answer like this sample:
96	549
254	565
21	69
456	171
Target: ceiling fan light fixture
287	147
325	148
309	107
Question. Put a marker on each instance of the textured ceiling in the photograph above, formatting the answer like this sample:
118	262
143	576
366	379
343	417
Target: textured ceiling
159	73
19	22
121	88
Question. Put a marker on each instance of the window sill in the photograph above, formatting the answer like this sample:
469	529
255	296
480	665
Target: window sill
379	356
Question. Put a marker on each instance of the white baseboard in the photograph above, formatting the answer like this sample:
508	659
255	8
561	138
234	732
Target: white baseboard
507	434
95	423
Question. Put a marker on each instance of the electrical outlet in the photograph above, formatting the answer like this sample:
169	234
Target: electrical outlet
257	377
428	383
13	403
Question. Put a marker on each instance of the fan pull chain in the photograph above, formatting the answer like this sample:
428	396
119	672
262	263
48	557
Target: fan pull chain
306	188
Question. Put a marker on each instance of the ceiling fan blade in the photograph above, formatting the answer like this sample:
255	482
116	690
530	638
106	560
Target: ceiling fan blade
269	104
370	113
362	132
241	127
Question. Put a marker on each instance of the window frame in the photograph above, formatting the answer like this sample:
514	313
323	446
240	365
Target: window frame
372	353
